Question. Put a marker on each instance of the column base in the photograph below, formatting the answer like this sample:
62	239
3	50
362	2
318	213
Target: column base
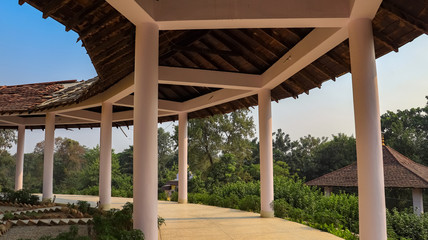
267	214
46	200
105	207
182	201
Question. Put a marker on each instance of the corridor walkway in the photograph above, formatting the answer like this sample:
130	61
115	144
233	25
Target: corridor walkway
200	222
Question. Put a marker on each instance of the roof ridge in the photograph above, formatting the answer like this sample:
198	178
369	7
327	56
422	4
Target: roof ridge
43	83
393	152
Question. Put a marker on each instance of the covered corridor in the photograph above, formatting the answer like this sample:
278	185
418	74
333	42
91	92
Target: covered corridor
195	221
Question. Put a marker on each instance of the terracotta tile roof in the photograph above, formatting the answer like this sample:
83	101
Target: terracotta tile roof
399	172
68	95
37	96
21	98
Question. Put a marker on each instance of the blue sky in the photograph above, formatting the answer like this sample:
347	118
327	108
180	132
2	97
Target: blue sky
33	49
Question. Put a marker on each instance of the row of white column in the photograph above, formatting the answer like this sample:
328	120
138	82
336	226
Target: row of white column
367	124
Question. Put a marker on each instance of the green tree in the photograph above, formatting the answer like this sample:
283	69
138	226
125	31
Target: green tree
88	178
302	157
126	160
7	139
33	171
167	157
219	134
68	162
331	155
7	162
407	132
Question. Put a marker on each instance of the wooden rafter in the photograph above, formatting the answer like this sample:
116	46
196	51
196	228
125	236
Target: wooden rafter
73	21
405	17
247	55
100	24
309	78
332	56
53	6
226	60
183	40
385	40
324	70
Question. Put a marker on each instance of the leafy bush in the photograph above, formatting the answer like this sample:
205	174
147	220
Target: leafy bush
20	196
337	214
407	225
115	224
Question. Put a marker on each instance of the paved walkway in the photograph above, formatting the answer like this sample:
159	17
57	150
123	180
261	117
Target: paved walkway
199	222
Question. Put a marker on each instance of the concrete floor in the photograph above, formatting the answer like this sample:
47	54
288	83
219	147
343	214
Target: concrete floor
194	221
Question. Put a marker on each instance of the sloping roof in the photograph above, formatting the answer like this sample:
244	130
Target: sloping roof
24	98
109	39
399	171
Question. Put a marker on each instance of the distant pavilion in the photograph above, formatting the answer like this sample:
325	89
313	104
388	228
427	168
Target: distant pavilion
163	60
399	172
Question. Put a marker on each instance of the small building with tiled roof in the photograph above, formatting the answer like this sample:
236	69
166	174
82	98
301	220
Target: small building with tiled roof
399	172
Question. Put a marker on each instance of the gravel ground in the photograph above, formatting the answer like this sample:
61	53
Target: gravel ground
35	232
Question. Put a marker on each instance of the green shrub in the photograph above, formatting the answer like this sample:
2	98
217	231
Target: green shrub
250	203
407	225
162	196
117	225
20	196
83	206
174	196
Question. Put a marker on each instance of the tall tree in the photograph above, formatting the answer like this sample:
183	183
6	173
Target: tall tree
331	155
302	155
220	134
407	132
7	138
7	162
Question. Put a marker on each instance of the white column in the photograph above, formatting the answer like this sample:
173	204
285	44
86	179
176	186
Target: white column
145	130
328	191
19	173
266	156
105	155
182	158
418	201
48	156
371	191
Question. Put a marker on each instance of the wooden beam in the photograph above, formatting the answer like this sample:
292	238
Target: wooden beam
405	17
52	6
99	24
385	40
240	47
73	21
324	70
338	60
205	51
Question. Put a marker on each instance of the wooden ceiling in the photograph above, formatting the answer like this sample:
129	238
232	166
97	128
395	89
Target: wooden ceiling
109	39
